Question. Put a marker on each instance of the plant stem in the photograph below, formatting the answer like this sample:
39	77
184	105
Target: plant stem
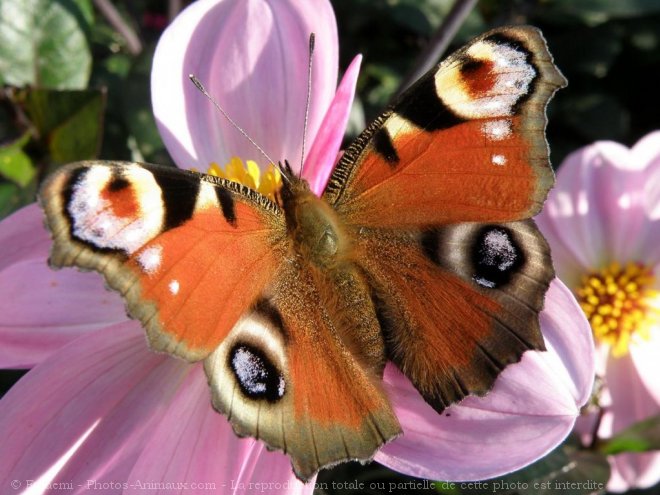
173	9
115	19
439	43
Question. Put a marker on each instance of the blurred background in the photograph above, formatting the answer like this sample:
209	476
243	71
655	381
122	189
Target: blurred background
83	92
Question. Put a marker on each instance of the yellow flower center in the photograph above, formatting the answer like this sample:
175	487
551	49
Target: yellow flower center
620	303
249	174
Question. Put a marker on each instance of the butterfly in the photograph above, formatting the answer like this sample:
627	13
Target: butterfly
421	251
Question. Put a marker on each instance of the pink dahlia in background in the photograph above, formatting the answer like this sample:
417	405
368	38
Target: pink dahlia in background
98	407
603	223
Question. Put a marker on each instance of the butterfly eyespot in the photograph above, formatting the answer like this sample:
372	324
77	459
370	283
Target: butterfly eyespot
257	376
108	210
479	73
496	256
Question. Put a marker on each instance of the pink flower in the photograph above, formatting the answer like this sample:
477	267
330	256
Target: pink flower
603	223
99	406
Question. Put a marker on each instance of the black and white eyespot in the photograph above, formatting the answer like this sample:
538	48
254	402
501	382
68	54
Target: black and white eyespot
257	376
496	256
248	371
489	80
115	207
489	256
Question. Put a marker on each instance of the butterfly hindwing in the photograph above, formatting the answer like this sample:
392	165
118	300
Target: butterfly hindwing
296	381
465	143
177	247
458	303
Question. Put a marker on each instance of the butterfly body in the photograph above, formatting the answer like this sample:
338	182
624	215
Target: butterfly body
313	225
420	251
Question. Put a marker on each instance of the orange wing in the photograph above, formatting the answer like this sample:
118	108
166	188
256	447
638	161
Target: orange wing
465	143
209	269
189	253
434	194
458	303
287	374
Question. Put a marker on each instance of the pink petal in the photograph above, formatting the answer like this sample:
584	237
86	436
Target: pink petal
644	354
23	236
646	151
41	309
579	208
96	401
630	402
252	56
531	409
629	198
193	444
652	190
322	156
605	207
567	264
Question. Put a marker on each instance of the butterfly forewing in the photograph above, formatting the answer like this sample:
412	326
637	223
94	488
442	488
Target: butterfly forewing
465	143
188	255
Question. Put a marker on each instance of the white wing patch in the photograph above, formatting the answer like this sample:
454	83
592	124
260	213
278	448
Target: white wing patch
499	160
116	212
174	287
501	76
150	259
207	197
496	130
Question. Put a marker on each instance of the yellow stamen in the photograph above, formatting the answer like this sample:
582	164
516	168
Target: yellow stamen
621	304
249	174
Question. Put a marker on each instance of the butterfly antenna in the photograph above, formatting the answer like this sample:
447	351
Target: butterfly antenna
309	99
202	89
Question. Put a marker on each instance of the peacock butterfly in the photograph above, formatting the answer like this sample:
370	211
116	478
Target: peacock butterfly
420	251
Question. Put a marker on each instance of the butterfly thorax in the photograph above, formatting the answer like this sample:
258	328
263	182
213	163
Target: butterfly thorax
314	226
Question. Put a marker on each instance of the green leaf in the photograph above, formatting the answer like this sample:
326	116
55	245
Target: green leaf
137	113
20	142
86	10
71	122
43	44
13	197
640	437
16	166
